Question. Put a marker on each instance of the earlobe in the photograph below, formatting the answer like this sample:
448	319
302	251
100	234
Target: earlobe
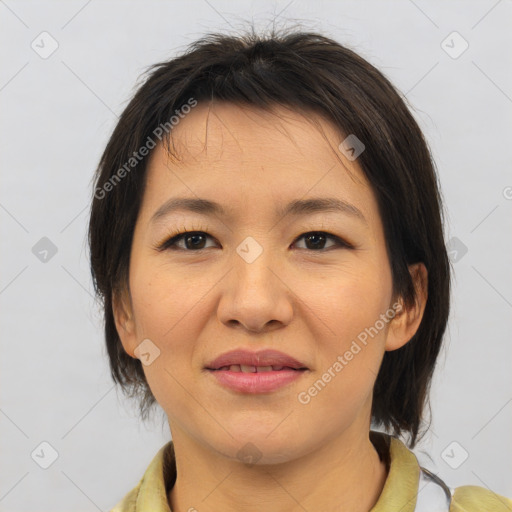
405	323
123	318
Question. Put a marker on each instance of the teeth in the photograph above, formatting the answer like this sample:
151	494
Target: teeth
260	369
253	369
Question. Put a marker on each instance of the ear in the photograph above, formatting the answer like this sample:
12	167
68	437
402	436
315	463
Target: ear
405	323
123	317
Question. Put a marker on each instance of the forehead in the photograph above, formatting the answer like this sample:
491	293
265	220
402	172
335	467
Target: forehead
225	131
247	159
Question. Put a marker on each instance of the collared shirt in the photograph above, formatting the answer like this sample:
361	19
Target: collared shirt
408	487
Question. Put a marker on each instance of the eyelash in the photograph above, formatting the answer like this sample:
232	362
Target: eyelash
169	242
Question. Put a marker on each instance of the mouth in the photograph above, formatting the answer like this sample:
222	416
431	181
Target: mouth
251	380
242	368
265	371
247	361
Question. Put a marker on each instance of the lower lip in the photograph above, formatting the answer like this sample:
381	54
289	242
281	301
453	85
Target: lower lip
258	382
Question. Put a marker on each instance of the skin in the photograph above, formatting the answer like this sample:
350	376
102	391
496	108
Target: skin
305	301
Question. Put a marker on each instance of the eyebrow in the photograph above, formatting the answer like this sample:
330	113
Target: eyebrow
296	208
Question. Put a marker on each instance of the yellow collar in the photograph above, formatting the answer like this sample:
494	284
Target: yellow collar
399	492
401	486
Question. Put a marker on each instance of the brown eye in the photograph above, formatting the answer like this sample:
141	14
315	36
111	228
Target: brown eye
315	241
192	241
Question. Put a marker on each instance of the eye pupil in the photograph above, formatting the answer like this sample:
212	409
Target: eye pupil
195	238
315	237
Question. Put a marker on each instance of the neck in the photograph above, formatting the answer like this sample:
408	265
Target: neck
345	474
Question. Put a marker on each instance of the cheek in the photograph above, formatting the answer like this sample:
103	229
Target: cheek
351	334
349	302
164	301
170	312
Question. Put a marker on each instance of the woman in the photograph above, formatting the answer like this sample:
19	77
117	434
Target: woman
266	236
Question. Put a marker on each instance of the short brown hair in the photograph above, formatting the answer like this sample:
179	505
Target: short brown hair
307	72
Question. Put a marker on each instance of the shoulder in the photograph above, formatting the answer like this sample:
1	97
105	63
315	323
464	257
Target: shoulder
150	494
472	498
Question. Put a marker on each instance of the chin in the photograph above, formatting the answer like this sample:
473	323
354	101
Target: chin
258	448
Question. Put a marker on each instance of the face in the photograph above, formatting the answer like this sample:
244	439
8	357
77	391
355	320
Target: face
308	283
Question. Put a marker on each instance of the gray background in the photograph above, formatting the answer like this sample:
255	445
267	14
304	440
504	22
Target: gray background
56	115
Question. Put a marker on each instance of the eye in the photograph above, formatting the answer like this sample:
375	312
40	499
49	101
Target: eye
193	241
315	240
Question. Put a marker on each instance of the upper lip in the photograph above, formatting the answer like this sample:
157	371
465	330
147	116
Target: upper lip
261	358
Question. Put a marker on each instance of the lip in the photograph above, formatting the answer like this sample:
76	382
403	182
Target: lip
266	357
265	382
287	369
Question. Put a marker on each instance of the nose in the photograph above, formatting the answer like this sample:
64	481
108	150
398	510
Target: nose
255	296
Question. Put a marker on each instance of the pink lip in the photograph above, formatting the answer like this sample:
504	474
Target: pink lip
264	382
289	369
266	357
